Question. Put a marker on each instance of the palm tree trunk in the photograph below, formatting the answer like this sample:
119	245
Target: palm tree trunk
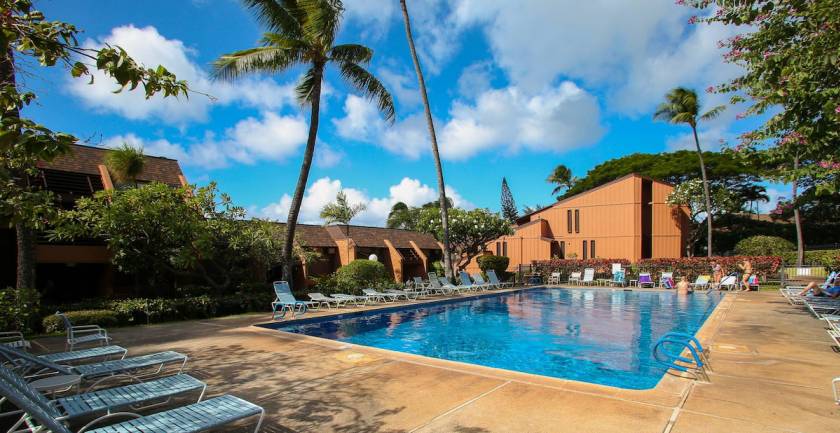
444	213
705	193
797	218
297	199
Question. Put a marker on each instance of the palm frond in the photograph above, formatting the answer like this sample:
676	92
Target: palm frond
276	15
353	53
260	59
306	86
322	18
370	87
713	113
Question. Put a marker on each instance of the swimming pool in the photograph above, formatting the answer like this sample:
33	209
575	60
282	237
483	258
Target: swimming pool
591	335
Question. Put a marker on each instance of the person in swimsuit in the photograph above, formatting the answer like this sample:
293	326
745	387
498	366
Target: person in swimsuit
683	288
831	289
717	273
746	267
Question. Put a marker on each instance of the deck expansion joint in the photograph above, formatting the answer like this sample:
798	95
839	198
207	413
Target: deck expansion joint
461	406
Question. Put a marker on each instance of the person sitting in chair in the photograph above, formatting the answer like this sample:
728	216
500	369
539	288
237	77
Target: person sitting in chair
830	289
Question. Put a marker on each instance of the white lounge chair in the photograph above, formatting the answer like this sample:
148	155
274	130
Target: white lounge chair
380	296
701	283
554	278
321	299
81	334
574	278
588	277
728	282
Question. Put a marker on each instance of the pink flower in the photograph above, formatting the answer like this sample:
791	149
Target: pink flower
680	2
837	109
740	116
711	89
693	20
767	54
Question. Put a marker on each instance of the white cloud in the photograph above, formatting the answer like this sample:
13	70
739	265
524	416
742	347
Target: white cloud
326	156
636	50
271	137
561	118
374	15
711	140
401	85
323	191
475	79
148	47
558	119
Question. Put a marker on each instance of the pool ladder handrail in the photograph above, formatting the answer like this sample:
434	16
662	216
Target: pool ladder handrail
697	365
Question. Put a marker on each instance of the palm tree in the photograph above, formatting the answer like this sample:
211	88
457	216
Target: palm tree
302	32
681	106
562	177
444	213
125	163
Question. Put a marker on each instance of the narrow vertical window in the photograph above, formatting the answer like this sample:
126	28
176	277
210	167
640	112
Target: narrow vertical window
577	221
562	249
498	249
592	248
504	249
569	220
585	250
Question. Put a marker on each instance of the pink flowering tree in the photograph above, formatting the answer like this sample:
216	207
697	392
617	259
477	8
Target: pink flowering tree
791	82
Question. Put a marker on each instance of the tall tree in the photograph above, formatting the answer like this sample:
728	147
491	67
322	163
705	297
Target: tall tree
400	217
23	143
791	71
444	214
341	211
562	178
125	163
302	32
509	210
681	106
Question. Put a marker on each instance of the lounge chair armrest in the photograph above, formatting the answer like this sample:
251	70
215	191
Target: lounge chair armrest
108	418
86	327
96	330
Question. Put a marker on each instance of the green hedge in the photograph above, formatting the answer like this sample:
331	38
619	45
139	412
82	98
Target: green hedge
828	258
152	310
763	246
496	263
103	318
355	276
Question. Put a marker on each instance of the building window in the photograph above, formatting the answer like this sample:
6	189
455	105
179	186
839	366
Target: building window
577	221
592	248
585	250
562	249
504	248
498	249
569	220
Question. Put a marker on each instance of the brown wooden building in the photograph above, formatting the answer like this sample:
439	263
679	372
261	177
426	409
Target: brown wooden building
627	218
404	253
81	269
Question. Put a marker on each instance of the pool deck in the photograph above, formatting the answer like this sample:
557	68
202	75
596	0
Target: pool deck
773	364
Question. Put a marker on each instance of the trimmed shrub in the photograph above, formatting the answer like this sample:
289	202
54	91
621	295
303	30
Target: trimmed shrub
136	311
355	276
103	318
496	263
566	266
437	267
828	258
18	309
691	267
764	246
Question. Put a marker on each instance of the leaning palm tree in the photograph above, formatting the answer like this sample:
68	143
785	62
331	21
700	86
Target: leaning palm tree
444	213
302	32
681	106
125	163
562	177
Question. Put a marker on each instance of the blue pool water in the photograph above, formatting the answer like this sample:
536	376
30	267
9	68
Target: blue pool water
598	336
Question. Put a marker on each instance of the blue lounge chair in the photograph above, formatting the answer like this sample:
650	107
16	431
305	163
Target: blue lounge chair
32	366
449	286
436	286
480	281
104	403
285	301
39	414
618	278
81	334
494	279
468	284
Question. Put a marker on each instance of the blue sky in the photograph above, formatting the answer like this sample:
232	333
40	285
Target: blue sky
516	88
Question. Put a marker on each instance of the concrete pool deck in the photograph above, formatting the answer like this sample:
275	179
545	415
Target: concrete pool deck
773	364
